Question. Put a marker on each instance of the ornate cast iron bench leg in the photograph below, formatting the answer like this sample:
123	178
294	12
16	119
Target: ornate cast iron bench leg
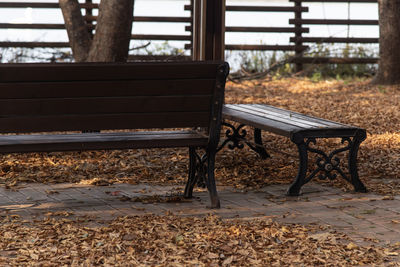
327	165
355	180
294	189
236	136
210	180
192	179
201	172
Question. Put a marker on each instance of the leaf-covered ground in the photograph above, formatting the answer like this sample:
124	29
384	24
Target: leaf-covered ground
178	241
375	108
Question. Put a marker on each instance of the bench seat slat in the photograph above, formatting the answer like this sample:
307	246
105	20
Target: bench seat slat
270	116
100	141
308	118
25	124
71	88
303	120
258	122
285	116
103	105
284	122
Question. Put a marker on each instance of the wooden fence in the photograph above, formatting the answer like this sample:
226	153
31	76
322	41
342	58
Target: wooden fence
299	26
89	7
300	40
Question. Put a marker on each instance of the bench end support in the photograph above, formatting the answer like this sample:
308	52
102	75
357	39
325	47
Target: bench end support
359	137
327	164
294	189
201	172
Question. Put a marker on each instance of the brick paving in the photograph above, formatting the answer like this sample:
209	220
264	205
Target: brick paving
362	216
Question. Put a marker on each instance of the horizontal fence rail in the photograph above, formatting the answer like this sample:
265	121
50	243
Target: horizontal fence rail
260	8
334	1
334	60
35	44
334	21
335	40
263	47
41	5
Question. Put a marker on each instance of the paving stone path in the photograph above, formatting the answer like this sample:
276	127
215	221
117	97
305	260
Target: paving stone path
362	216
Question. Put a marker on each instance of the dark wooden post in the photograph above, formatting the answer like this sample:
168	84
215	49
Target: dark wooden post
88	14
215	30
192	28
298	34
209	30
197	38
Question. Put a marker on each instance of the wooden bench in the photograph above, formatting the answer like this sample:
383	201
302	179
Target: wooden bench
302	130
67	105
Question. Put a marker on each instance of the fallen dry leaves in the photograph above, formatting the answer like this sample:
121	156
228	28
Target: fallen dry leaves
177	241
358	103
174	241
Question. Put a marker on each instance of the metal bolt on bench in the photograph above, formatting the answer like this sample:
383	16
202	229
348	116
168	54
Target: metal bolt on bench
302	130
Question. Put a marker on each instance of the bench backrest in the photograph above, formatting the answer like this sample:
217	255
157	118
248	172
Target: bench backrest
103	96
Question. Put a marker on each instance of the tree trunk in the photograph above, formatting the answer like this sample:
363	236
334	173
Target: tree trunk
78	34
389	43
113	31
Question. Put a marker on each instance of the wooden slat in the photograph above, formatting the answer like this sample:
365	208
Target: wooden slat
259	29
102	72
266	8
67	89
263	47
48	26
275	116
95	141
35	44
312	121
41	5
334	21
91	18
335	60
259	8
160	57
335	40
334	1
258	122
103	105
161	37
161	19
104	122
265	29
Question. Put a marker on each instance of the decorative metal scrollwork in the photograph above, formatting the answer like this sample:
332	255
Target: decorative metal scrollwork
200	170
328	165
234	136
